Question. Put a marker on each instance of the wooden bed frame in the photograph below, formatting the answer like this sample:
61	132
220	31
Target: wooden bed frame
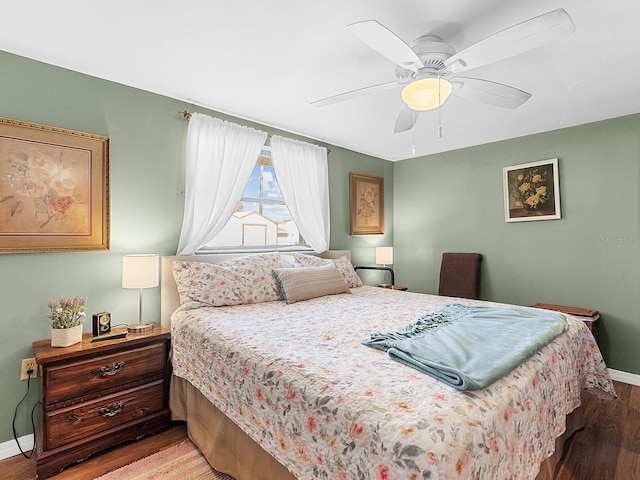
227	448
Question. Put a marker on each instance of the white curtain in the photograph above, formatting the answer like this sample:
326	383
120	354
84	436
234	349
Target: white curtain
303	176
220	159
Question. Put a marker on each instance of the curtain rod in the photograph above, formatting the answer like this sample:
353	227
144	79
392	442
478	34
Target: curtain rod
187	115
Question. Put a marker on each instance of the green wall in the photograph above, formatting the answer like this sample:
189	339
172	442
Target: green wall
147	181
590	258
446	202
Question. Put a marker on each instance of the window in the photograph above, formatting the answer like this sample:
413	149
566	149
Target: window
261	220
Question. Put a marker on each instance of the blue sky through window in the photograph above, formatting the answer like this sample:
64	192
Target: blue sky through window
271	191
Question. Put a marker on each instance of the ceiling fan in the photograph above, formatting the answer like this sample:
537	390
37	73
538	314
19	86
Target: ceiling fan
428	69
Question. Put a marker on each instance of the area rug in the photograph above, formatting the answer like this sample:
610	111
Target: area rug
180	462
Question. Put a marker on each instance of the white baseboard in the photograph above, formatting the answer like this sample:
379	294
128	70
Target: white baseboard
624	377
9	448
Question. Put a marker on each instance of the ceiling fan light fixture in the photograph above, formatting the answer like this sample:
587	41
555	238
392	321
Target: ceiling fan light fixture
427	93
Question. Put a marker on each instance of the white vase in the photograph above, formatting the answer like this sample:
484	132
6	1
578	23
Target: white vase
63	337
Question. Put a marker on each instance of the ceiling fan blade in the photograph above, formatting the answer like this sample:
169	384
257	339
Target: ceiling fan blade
512	41
354	94
406	119
491	93
386	43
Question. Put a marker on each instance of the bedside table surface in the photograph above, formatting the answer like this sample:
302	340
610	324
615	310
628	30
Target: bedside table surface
392	287
45	353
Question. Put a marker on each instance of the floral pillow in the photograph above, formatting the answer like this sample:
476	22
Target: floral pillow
303	260
351	278
247	279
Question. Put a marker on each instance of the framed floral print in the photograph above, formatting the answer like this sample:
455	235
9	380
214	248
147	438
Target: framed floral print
531	191
54	189
366	194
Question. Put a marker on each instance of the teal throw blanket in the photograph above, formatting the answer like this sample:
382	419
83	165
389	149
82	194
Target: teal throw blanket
469	348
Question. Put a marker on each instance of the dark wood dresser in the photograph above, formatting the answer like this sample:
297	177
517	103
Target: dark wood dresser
97	394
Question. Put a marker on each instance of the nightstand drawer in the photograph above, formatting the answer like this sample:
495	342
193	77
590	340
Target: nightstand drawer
69	424
75	380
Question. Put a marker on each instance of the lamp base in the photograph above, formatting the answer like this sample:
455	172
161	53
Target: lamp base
139	327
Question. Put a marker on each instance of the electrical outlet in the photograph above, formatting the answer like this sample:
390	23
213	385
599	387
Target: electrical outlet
28	364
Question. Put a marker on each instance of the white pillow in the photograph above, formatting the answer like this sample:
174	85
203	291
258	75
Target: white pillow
351	278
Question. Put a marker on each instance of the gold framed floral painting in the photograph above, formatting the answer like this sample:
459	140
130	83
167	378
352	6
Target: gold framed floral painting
54	189
531	191
366	194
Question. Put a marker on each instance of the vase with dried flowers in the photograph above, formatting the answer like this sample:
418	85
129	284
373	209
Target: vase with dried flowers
66	315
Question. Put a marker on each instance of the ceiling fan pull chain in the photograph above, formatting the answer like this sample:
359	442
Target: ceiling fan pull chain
413	135
439	109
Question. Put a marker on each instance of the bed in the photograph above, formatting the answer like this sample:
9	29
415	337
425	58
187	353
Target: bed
279	391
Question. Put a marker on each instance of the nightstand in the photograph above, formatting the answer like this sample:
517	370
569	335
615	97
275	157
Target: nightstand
392	287
377	267
97	394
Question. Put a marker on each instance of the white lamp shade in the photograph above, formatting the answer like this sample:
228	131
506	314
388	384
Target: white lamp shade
140	271
384	255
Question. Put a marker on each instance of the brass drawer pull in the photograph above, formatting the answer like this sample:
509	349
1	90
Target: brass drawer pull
111	370
111	410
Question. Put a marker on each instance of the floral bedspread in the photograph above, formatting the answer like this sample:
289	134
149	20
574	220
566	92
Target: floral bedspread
297	379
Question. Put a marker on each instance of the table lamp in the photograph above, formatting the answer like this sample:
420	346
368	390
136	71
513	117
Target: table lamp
140	271
384	256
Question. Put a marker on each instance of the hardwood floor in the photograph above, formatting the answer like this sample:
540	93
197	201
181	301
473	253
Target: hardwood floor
19	468
608	448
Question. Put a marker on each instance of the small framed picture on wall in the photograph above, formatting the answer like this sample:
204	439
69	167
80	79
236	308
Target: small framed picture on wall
531	191
366	193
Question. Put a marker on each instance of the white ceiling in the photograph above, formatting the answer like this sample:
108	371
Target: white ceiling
267	61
